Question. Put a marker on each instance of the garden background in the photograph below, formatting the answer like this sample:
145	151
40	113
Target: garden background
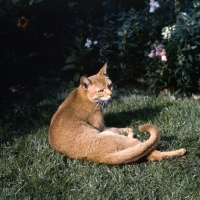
45	39
46	45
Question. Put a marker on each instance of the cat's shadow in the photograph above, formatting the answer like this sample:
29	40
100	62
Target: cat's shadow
124	118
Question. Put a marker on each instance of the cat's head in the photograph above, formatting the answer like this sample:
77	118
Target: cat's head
98	88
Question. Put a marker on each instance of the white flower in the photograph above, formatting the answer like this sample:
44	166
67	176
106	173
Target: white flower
153	6
152	9
164	58
88	43
156	4
95	42
166	32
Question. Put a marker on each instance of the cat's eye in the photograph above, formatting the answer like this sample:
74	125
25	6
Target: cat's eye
100	91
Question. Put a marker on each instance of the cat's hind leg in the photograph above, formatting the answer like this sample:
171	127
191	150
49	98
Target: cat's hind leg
157	155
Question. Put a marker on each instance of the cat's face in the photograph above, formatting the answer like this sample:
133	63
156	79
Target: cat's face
99	87
100	90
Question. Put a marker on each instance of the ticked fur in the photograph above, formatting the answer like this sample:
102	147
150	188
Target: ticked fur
77	128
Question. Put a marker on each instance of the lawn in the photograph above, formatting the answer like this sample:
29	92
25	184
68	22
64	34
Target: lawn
31	169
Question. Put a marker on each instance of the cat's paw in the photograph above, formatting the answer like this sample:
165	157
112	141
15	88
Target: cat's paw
182	152
130	132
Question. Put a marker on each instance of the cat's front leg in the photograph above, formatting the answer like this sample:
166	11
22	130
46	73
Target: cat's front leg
129	131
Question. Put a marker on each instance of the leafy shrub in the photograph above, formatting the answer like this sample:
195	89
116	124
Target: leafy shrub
121	41
80	56
124	38
181	39
119	37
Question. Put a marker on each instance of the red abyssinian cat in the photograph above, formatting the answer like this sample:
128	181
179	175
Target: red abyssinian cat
77	128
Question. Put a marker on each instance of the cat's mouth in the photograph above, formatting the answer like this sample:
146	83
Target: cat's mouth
102	103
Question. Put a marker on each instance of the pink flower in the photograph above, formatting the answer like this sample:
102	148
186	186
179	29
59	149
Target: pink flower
159	51
152	54
163	55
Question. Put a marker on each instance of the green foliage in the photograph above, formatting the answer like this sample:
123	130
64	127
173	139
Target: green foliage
78	55
124	38
9	4
31	169
121	38
181	39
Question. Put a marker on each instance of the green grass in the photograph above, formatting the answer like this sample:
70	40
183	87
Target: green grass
31	169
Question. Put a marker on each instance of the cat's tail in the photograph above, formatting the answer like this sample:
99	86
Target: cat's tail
135	153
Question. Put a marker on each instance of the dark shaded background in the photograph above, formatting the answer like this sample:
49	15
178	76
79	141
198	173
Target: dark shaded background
30	56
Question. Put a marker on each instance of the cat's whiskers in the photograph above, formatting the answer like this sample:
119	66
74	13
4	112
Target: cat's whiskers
101	103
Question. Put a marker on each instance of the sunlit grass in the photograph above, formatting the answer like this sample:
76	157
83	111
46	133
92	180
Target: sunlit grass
31	169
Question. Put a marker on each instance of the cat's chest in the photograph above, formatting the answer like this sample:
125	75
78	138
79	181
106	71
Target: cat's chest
96	120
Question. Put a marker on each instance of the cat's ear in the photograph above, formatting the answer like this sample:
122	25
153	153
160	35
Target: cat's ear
103	70
85	82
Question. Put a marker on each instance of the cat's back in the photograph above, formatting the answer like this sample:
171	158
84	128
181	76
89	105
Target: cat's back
64	117
65	107
74	108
